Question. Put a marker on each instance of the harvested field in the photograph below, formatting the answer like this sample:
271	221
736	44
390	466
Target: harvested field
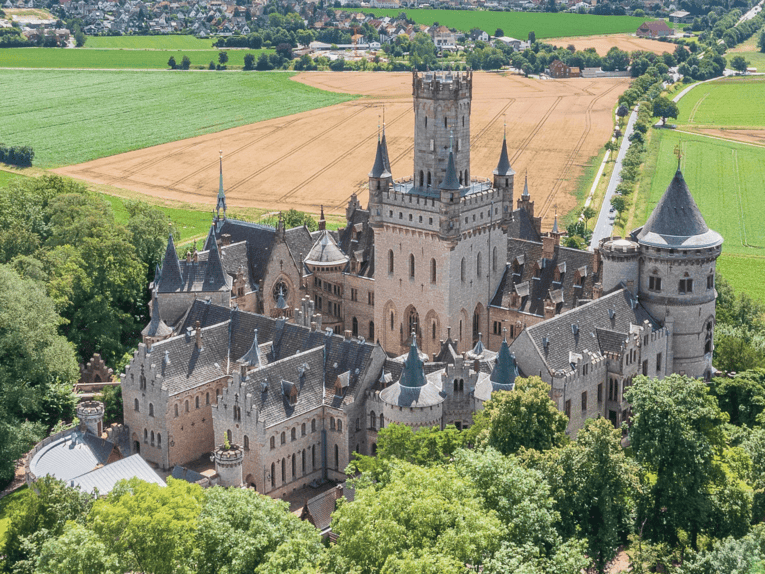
603	44
756	137
323	156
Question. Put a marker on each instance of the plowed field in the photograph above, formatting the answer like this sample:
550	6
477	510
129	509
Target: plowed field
323	156
602	44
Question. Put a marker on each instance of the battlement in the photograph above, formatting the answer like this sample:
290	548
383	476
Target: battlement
444	85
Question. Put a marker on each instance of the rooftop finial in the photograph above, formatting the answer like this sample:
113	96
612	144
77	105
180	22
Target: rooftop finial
679	154
504	128
504	334
451	140
221	194
378	128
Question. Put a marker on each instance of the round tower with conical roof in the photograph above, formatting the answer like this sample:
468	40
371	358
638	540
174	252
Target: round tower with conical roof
677	277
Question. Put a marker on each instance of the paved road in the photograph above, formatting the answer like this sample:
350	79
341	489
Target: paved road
752	12
604	226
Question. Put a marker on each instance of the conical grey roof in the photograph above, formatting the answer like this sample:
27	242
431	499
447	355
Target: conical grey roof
503	167
386	159
555	226
379	170
252	357
413	374
210	238
170	274
215	276
526	186
505	369
325	251
221	194
451	182
281	304
156	327
676	220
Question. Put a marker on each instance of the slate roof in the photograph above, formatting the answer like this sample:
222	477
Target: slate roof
676	220
413	389
505	369
503	167
71	455
318	510
450	181
357	241
183	473
325	251
299	241
170	278
106	477
614	312
519	276
156	327
258	238
522	227
379	169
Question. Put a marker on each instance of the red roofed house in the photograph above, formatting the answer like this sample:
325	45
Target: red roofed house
655	29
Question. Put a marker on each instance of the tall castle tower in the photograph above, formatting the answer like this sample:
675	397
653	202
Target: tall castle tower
441	235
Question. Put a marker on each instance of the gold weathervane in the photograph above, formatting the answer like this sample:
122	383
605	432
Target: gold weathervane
679	154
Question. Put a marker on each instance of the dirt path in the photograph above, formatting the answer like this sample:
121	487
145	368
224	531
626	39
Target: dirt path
323	156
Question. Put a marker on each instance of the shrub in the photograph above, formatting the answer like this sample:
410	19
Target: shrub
21	156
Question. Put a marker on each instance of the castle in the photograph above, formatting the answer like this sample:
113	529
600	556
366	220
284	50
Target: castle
299	346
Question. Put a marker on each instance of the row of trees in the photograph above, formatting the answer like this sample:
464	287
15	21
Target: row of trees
21	156
73	282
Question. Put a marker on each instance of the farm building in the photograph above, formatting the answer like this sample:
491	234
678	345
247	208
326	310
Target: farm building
655	29
560	70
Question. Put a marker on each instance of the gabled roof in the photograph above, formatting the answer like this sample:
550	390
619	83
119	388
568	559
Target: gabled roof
676	220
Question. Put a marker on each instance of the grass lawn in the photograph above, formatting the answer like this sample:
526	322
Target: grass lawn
519	24
4	503
113	59
6	177
163	42
726	180
74	116
734	102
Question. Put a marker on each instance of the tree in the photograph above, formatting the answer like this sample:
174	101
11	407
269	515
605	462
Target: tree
284	50
222	57
739	63
80	38
676	434
171	63
112	399
40	513
522	418
499	32
240	531
532	37
422	51
185	63
741	397
428	516
149	228
593	484
616	59
249	62
77	551
149	528
588	213
761	41
619	203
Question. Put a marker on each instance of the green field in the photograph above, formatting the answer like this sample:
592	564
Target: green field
7	177
112	59
74	116
734	102
519	24
162	42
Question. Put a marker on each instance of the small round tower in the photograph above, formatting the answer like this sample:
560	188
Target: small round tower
228	465
677	277
621	263
91	414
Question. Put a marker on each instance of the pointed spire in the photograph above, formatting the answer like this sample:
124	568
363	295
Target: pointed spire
526	186
505	369
555	226
215	276
413	374
503	167
479	348
384	144
156	328
281	304
170	274
378	170
221	194
210	238
252	357
450	182
322	221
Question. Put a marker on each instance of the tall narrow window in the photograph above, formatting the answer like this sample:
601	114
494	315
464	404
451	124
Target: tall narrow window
422	178
371	330
355	327
411	266
273	475
136	407
432	270
462	270
429	182
337	457
391	328
494	259
151	409
390	261
478	264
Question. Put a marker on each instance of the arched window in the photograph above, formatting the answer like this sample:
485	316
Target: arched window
411	266
478	264
196	402
429	181
293	434
302	460
374	449
371	330
462	270
445	125
246	442
302	429
391	328
136	408
337	457
152	438
273	443
151	409
422	178
331	423
313	425
463	121
494	259
284	470
313	457
284	438
145	436
187	405
358	423
159	440
390	261
433	275
462	385
456	386
176	410
339	425
372	420
355	327
207	398
382	421
433	327
294	466
426	121
273	475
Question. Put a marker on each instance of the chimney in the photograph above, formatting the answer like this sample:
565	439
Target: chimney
347	334
198	327
515	299
597	290
188	257
313	325
196	256
549	309
548	246
596	261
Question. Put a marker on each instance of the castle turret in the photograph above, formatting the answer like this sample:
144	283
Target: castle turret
91	415
504	176
677	276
